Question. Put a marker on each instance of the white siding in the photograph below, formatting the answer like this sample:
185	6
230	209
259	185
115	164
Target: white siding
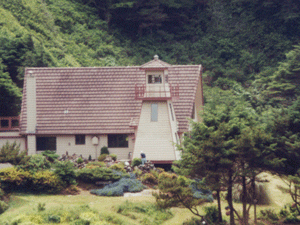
12	137
31	104
31	144
66	143
155	138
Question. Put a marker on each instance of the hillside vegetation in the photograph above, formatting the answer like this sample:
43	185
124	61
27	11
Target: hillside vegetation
236	41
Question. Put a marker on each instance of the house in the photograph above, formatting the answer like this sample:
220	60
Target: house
128	109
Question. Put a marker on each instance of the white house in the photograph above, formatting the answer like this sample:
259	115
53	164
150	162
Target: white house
128	109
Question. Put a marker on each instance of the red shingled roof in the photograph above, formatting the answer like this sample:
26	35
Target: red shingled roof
100	100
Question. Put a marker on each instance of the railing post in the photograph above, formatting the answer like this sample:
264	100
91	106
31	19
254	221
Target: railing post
9	122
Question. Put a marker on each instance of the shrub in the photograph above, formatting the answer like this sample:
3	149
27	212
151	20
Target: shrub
54	219
46	181
192	221
149	178
80	160
95	164
10	153
50	155
150	213
36	163
118	167
41	207
269	215
118	188
104	150
211	214
136	162
291	219
201	193
113	156
98	174
102	157
14	179
3	207
65	170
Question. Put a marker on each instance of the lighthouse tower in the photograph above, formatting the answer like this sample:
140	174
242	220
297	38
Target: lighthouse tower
157	130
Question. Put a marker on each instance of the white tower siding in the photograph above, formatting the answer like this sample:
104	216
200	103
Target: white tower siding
155	138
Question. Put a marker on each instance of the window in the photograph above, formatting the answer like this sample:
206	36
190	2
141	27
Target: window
80	139
171	109
117	141
154	112
45	143
154	79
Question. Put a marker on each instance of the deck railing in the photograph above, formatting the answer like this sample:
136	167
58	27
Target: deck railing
9	123
156	92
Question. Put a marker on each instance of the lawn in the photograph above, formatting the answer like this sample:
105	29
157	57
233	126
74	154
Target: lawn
107	206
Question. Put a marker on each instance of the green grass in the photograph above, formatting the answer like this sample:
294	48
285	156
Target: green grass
108	207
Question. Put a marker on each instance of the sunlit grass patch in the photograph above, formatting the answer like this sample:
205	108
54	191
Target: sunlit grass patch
144	213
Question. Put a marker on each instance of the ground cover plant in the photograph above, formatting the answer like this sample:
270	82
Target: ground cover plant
118	188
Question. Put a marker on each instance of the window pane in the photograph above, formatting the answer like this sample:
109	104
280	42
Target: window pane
45	143
79	139
117	141
154	112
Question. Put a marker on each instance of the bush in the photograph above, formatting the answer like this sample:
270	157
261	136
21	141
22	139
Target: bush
118	188
136	162
269	215
95	164
10	153
104	150
50	155
99	174
149	178
150	213
14	179
66	172
291	219
113	156
211	214
3	207
80	160
46	181
102	157
118	167
193	221
36	163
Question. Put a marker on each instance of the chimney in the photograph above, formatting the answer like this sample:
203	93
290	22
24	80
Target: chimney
31	112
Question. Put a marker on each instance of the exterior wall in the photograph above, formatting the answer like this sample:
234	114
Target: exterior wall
199	99
31	103
66	143
12	137
31	144
154	138
124	154
174	129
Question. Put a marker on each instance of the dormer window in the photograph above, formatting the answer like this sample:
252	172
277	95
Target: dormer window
154	79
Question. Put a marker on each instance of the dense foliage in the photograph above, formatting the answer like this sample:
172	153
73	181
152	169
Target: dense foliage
234	40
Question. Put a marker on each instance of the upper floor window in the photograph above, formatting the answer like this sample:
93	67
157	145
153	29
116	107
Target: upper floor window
154	112
80	139
154	79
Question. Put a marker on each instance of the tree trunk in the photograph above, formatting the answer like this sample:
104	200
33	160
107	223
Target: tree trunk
219	206
244	200
229	198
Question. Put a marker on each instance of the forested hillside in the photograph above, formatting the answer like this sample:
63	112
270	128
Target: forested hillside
239	42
